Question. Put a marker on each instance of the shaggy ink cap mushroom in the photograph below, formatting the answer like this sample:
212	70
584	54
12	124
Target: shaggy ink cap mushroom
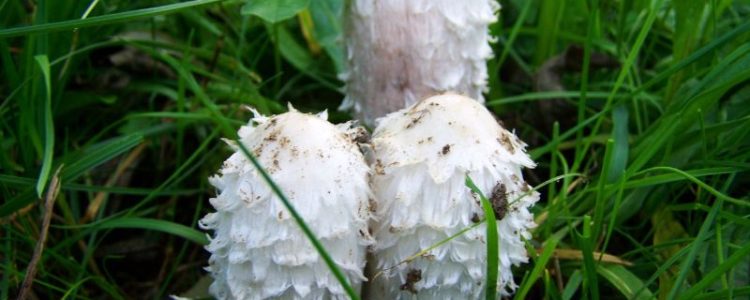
257	249
422	155
402	51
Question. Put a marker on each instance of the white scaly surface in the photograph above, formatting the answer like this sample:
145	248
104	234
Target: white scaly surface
257	249
421	157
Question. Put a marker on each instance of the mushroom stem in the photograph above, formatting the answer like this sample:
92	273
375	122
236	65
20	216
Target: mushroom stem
402	51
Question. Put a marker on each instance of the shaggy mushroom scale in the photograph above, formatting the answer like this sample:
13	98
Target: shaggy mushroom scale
257	249
422	155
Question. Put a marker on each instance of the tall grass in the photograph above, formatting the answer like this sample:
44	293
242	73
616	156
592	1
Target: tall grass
650	149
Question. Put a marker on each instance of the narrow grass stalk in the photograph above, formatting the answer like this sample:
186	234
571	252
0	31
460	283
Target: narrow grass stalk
493	252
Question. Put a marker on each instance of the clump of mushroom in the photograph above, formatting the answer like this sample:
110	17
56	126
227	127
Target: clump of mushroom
422	155
402	51
257	249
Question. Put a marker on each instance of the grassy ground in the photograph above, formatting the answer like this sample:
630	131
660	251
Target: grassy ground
638	110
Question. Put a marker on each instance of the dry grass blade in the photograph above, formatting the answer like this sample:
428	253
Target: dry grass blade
49	203
124	165
573	254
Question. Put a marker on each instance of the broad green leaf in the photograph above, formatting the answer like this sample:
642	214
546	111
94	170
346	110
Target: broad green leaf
274	11
291	50
327	16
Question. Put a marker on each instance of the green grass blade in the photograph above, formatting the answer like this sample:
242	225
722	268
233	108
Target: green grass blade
540	264
731	262
625	70
687	264
653	180
602	195
492	245
76	165
702	184
725	294
107	19
695	56
94	155
155	225
574	282
49	127
274	11
586	241
625	281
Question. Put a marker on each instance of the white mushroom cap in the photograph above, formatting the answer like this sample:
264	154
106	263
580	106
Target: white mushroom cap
258	251
401	51
421	157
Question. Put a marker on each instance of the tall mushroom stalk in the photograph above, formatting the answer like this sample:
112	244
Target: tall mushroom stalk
422	155
257	249
402	51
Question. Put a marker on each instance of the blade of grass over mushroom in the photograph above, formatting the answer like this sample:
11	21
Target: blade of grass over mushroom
106	19
492	245
49	128
303	225
430	248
